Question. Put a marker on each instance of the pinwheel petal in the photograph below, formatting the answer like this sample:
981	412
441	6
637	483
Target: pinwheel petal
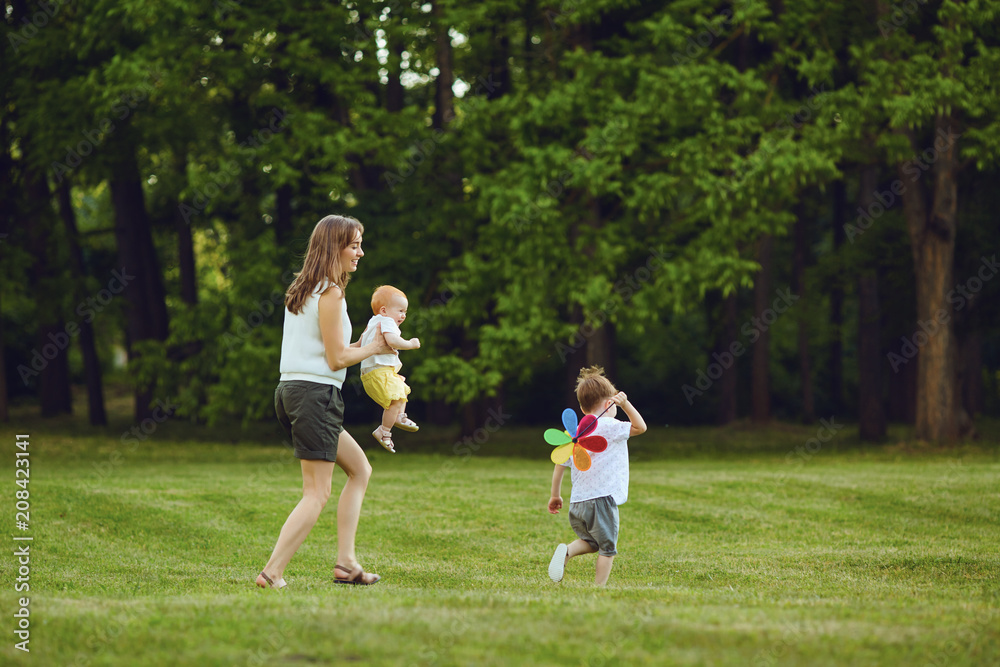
569	421
556	437
581	459
562	454
595	443
587	425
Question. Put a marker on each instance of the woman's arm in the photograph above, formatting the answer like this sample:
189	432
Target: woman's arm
339	352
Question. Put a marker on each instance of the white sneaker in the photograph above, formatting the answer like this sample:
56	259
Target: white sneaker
558	563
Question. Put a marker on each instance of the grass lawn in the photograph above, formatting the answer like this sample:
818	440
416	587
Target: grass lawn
735	549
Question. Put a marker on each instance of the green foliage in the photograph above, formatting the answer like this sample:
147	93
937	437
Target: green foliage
221	359
608	164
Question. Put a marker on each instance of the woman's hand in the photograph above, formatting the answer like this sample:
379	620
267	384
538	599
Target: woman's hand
339	352
382	346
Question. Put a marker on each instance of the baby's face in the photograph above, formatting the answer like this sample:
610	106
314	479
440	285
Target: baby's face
396	310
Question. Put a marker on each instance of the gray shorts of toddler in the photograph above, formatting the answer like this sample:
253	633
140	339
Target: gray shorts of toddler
595	522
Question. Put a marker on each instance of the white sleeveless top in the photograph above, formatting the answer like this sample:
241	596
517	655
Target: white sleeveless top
303	356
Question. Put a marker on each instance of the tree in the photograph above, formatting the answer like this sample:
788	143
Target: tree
932	77
682	189
871	414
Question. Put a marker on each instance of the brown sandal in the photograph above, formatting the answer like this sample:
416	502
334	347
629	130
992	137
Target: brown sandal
355	578
267	583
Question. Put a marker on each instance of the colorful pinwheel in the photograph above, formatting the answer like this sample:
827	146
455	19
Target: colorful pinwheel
575	440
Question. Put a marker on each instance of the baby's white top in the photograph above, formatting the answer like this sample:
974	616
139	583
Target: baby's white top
389	326
303	355
608	474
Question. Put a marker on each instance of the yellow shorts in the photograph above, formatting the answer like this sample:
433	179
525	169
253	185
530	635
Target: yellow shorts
384	385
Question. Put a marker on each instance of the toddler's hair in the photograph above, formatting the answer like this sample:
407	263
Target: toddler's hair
592	388
383	296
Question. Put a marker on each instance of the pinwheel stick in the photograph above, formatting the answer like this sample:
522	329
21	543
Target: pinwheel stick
588	425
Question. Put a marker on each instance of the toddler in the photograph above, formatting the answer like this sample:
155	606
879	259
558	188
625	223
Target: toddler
380	372
597	492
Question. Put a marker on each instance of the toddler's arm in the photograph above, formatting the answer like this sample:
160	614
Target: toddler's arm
400	343
555	500
621	400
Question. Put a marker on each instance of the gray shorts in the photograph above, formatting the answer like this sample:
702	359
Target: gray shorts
595	522
313	417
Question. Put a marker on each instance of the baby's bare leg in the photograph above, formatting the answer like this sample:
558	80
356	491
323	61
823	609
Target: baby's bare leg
391	413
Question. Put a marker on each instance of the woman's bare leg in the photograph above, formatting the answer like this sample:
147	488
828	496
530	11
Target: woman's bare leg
353	461
316	481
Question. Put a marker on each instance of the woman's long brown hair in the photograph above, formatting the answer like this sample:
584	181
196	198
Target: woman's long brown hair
322	262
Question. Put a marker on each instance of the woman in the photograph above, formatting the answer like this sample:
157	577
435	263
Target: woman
315	354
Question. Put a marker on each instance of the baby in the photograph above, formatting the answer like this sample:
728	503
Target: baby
380	372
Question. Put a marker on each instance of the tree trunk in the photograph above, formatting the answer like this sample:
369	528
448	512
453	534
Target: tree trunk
440	413
903	394
575	359
444	97
601	349
52	340
481	418
185	252
932	240
88	343
728	381
836	349
760	374
8	194
4	400
529	10
54	381
147	312
186	262
871	416
499	62
805	373
967	370
4	415
972	372
394	87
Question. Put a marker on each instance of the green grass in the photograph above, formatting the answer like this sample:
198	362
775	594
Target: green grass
731	553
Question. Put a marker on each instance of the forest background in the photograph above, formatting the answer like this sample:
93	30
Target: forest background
749	210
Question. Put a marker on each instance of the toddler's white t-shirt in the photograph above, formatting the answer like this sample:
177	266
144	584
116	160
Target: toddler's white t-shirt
608	473
389	326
